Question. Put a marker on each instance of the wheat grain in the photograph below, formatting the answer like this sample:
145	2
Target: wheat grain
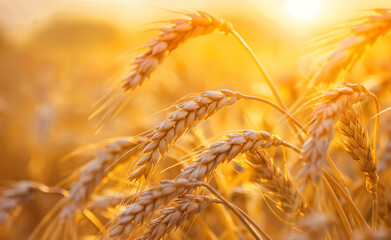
334	104
200	23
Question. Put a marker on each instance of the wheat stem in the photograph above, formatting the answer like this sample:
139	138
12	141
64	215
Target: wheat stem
265	75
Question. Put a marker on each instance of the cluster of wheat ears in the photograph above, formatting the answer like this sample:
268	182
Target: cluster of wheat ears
297	181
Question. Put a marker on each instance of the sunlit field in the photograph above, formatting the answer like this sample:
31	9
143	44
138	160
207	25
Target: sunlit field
240	119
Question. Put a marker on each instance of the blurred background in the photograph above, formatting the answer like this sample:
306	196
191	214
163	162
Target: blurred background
57	58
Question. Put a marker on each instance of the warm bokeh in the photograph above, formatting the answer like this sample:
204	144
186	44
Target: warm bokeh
59	58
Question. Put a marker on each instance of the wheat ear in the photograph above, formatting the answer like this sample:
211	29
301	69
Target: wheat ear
276	187
334	103
95	171
204	166
170	38
353	47
356	143
187	115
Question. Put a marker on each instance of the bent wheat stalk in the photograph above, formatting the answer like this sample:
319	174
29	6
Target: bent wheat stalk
204	166
334	104
357	144
170	38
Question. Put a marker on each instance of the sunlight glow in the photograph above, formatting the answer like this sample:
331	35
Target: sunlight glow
303	9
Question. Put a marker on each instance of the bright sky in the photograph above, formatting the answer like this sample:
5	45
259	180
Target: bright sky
17	15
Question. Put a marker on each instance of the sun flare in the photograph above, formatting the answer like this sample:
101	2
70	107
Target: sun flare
303	10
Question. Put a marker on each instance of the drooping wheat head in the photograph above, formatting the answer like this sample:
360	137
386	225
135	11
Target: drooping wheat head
357	144
334	103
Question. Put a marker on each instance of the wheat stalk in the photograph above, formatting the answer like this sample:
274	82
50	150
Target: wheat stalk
187	115
170	218
326	113
352	48
95	171
278	188
205	164
170	38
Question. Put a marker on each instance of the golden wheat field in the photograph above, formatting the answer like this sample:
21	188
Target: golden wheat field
239	119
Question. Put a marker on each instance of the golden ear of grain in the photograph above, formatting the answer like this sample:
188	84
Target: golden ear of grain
187	116
352	48
95	171
357	144
278	188
204	166
334	103
170	218
170	38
